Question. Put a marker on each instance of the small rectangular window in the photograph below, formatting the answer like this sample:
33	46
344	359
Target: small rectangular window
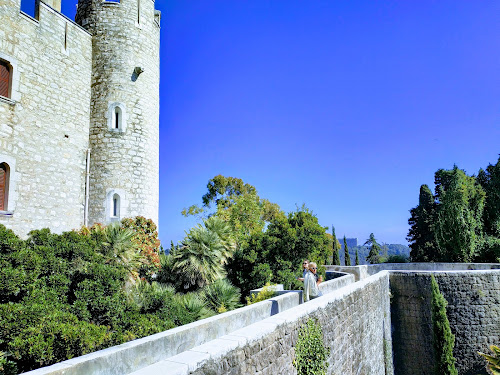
4	79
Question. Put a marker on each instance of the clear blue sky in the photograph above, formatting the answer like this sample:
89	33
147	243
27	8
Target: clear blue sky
346	106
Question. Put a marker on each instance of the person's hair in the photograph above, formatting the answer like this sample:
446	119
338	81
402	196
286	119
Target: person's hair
312	265
305	260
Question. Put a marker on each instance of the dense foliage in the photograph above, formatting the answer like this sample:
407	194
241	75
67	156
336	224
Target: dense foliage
66	295
444	340
268	243
460	222
310	351
274	255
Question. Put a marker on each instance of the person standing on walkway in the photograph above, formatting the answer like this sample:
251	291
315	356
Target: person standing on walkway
311	289
305	266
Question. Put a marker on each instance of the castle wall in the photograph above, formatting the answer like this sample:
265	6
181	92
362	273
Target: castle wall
356	327
124	161
44	128
473	311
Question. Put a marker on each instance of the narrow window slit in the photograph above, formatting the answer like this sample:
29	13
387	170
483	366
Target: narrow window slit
138	11
66	37
115	209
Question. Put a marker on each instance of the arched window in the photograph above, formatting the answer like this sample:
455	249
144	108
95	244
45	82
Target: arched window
5	77
4	186
115	207
117	117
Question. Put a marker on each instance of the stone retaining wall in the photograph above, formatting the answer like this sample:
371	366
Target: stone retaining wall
473	311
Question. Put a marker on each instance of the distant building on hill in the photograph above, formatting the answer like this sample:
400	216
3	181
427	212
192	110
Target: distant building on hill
351	242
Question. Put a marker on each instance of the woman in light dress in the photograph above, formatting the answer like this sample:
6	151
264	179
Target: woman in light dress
311	283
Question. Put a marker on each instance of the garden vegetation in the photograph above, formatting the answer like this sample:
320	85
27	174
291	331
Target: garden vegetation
63	296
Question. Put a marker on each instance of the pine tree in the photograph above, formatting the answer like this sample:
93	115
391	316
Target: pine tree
374	255
357	258
347	258
335	255
444	340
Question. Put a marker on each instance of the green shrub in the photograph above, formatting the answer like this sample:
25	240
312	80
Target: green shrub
396	259
268	291
7	367
310	351
221	296
189	308
54	338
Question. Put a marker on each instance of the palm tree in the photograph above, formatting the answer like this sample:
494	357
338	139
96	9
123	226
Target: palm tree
198	260
221	296
118	248
223	230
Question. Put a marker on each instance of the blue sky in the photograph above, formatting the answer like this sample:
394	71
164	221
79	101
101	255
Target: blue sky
346	106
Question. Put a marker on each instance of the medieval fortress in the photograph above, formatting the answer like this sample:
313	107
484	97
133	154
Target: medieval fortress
79	114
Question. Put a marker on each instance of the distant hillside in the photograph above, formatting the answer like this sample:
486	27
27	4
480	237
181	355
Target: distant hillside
387	250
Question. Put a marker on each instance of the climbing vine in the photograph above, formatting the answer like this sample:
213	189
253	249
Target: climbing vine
310	350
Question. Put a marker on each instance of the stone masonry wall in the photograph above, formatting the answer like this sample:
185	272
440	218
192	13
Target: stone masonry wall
125	162
356	327
473	311
44	129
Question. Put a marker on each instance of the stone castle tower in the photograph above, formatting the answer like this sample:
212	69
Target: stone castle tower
124	115
79	114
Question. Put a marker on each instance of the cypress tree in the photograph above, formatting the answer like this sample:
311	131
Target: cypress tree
335	255
357	258
347	258
458	225
444	340
374	255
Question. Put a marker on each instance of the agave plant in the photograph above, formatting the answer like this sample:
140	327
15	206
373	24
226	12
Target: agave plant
493	360
221	296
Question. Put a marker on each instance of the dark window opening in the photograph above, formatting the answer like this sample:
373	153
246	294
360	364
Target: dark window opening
117	118
5	73
138	11
116	206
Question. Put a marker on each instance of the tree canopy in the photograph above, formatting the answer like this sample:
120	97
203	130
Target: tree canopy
460	222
